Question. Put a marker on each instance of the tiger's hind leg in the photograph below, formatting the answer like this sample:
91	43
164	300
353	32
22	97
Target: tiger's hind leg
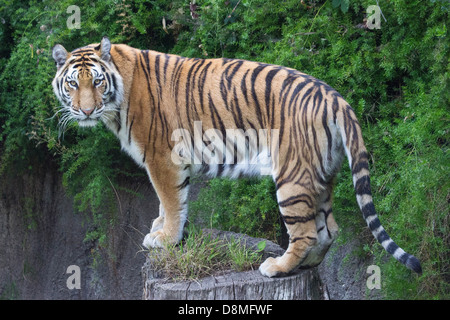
298	206
326	227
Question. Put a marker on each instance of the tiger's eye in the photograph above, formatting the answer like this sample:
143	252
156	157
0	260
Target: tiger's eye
73	83
97	82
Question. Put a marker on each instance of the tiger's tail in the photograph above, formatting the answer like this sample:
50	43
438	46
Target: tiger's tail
358	160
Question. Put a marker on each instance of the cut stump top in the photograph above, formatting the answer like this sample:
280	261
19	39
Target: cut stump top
246	285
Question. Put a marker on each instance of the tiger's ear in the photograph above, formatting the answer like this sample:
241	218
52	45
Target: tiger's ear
105	48
60	55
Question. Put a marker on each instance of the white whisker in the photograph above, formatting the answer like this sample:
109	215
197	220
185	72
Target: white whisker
61	109
63	124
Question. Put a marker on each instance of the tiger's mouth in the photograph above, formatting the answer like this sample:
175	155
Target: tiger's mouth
88	118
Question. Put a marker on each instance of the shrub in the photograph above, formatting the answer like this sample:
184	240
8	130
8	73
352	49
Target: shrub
244	206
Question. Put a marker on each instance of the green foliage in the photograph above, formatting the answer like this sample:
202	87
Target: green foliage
396	78
242	205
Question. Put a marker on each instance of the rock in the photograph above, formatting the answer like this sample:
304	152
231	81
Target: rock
247	285
41	236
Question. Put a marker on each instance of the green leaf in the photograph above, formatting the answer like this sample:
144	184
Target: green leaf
344	5
336	3
261	245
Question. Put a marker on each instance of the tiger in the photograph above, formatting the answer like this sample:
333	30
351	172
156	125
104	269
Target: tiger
145	96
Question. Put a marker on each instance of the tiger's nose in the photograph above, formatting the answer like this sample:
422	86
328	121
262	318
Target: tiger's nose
88	112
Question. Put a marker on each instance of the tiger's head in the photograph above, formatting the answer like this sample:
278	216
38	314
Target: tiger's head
87	84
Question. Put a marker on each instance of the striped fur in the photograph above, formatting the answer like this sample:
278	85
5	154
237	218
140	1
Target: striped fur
146	96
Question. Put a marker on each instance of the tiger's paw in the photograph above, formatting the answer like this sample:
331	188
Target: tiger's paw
158	224
158	239
273	268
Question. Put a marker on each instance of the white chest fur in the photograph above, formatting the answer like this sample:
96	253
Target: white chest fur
127	142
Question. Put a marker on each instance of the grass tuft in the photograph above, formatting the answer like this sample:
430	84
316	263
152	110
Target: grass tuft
200	255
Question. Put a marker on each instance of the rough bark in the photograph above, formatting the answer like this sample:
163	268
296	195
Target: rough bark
247	285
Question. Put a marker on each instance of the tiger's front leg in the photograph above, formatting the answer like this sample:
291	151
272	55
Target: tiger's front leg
158	222
171	184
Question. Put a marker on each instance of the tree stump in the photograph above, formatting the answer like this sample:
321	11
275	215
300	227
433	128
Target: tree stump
247	285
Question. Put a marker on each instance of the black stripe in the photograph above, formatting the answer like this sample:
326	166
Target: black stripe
58	85
244	86
223	91
226	77
189	106
297	219
297	199
201	84
362	186
360	163
374	224
178	64
108	77
272	120
392	247
318	95
145	55
220	169
327	131
114	86
153	119
270	75
383	236
184	184
87	52
176	77
294	95
129	131
233	72
194	76
237	114
302	238
360	166
318	151
166	63
204	168
214	111
296	239
157	72
404	257
368	210
326	212
281	180
255	74
286	86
